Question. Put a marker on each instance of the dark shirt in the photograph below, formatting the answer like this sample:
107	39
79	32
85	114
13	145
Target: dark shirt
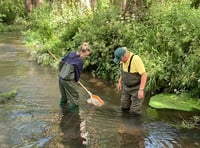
75	60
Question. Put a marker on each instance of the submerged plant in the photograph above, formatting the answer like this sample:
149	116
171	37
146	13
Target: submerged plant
192	123
7	96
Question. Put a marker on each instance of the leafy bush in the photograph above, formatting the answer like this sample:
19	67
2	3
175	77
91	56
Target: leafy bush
10	10
167	39
177	37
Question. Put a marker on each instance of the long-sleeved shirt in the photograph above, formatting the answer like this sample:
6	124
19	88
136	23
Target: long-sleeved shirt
75	60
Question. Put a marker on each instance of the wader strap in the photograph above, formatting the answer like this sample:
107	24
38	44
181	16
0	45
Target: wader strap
129	66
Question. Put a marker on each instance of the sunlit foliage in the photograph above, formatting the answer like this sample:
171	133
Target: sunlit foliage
166	35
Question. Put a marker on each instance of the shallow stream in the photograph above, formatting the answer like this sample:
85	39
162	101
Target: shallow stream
34	118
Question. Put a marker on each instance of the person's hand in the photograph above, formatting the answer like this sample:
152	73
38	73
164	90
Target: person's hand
140	94
119	86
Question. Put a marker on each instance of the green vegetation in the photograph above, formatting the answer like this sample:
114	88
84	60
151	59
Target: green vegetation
12	13
166	37
8	96
192	123
166	34
177	102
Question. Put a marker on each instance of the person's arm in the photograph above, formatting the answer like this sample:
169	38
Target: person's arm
119	86
142	85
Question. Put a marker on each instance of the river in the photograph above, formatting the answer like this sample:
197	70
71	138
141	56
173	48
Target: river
34	118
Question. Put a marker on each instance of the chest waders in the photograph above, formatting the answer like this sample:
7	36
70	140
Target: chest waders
67	85
130	87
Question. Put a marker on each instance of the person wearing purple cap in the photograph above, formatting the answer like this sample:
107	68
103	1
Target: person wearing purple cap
70	68
132	80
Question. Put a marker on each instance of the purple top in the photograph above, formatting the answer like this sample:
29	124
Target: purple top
75	60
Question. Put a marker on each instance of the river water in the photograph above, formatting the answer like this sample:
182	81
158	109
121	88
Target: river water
34	118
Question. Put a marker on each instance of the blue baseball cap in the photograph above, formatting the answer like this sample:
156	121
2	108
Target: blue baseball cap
119	52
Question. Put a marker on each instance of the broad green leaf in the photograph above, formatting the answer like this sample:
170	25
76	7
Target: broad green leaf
176	102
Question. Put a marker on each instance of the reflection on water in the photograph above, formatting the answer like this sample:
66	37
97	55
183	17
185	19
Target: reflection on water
34	119
70	127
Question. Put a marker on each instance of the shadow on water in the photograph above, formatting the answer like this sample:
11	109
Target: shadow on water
34	119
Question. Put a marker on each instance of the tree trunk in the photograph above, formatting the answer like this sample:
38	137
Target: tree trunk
132	7
28	6
85	4
38	2
94	4
31	4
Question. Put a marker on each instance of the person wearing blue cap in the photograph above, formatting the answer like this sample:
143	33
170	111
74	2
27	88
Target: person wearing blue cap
132	80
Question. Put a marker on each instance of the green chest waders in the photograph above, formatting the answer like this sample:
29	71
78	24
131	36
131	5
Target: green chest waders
130	87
